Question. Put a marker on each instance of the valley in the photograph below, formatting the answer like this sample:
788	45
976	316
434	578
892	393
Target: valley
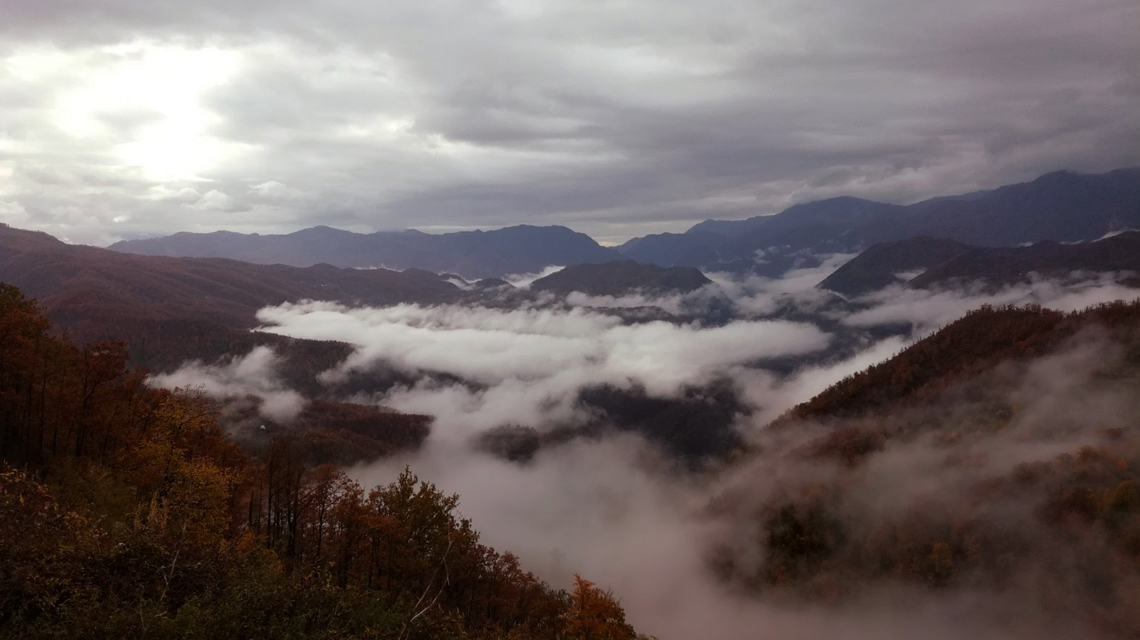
902	430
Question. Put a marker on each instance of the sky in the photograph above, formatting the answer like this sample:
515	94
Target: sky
133	118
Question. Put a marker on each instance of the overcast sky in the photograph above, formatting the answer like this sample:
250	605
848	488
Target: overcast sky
128	118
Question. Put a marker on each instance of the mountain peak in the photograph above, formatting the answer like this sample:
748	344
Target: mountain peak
622	277
472	254
1064	206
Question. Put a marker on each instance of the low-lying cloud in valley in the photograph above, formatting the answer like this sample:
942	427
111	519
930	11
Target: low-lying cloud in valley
524	360
526	366
254	374
625	513
412	319
621	513
929	309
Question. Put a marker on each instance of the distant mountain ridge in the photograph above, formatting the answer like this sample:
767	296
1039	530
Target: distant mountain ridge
942	261
973	344
1008	265
882	264
622	278
1062	206
220	290
471	254
173	309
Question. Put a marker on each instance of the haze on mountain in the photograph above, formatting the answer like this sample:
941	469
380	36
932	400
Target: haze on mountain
733	459
508	319
621	278
929	262
1062	206
472	254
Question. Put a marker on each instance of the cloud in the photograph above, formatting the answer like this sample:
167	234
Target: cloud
771	394
930	309
214	200
276	191
480	368
617	512
745	295
637	117
761	296
254	374
527	366
490	345
622	513
524	280
702	303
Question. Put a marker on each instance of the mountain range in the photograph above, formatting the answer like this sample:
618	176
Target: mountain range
925	262
64	276
471	254
1001	445
1062	206
172	309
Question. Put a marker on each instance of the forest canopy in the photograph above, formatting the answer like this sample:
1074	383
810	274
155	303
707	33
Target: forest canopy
126	511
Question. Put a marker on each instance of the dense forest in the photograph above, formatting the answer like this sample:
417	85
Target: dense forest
126	511
976	343
997	458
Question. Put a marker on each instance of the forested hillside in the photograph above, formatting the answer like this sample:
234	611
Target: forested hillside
997	459
622	278
126	512
962	351
172	309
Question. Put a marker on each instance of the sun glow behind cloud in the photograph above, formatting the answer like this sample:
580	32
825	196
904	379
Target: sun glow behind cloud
144	102
636	117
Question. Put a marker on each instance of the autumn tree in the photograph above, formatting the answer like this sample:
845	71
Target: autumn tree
119	517
595	614
185	466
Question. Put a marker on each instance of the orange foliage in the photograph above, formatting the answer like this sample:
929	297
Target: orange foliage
191	515
595	614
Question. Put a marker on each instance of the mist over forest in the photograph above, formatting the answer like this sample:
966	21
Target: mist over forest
925	437
889	524
553	320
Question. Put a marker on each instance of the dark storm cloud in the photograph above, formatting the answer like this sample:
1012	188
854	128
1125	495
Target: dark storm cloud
615	118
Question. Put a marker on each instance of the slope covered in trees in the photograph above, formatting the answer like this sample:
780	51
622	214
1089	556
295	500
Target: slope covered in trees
997	460
878	266
172	309
125	511
961	351
941	262
622	278
1009	265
